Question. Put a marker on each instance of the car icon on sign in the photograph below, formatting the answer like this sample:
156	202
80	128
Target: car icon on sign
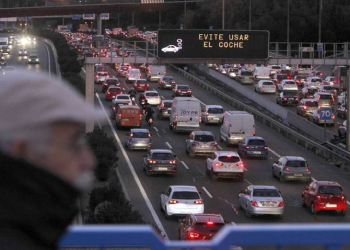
171	48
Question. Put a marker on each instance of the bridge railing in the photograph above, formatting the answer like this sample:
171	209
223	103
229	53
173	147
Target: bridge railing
246	236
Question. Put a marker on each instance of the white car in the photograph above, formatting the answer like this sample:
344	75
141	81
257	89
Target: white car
225	164
287	85
329	80
181	200
313	81
152	97
265	86
170	48
122	99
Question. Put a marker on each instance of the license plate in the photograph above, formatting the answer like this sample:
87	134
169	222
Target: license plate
331	205
142	85
291	99
125	119
162	168
215	118
256	152
298	175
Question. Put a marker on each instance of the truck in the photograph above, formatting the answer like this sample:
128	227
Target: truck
132	31
340	77
261	73
185	114
3	41
155	72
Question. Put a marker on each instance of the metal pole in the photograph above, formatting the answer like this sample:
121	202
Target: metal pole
319	22
288	20
223	14
348	108
184	26
250	14
89	91
160	19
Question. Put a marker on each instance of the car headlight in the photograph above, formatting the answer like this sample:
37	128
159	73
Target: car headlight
37	60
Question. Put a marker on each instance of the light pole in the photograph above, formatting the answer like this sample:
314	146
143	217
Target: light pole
223	14
288	45
250	14
319	22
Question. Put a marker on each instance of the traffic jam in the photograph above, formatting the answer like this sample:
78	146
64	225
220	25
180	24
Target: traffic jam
150	108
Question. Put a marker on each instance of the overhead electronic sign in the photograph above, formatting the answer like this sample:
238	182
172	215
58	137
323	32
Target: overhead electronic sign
213	44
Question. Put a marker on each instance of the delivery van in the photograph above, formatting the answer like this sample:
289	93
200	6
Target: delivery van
236	126
155	72
132	75
261	73
185	114
127	116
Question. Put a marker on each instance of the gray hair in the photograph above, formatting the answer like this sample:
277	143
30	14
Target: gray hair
37	138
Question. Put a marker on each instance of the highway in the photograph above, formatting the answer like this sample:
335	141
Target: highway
221	196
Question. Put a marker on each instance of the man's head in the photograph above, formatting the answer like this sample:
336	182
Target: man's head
42	122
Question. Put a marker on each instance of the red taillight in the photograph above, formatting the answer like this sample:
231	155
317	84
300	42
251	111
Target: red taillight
342	197
266	148
152	161
286	169
214	143
192	235
173	202
254	203
198	202
247	147
304	107
131	135
149	135
240	164
318	197
263	86
281	204
217	164
108	92
172	162
307	169
210	223
178	90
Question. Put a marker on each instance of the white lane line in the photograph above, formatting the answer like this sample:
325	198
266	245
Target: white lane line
158	134
248	182
169	146
162	97
233	224
83	70
133	172
245	169
219	147
274	152
183	163
205	190
156	129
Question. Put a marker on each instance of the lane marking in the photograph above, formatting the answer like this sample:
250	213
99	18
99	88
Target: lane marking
220	147
184	164
248	182
205	190
133	172
169	146
274	152
162	97
156	129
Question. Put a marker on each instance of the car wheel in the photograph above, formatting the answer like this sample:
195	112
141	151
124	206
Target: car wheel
167	216
282	179
244	155
303	204
343	212
313	210
207	170
191	154
186	150
240	206
213	176
277	101
247	214
241	178
227	142
160	206
147	172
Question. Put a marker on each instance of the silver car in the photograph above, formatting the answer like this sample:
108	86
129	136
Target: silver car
265	86
200	143
291	168
212	114
138	138
261	200
306	107
153	98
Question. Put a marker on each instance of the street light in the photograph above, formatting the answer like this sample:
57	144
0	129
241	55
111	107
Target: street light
223	14
250	14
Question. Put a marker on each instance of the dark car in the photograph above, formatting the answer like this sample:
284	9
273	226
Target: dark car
308	92
182	90
110	82
160	161
166	82
200	226
253	146
287	98
277	78
164	109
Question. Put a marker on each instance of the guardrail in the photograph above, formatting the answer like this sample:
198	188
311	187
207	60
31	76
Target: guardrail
49	42
341	158
298	236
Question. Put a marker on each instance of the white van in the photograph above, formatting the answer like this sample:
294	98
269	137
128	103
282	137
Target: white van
261	73
155	72
185	114
236	126
132	75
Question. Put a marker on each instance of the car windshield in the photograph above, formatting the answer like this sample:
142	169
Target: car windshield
229	159
256	142
152	94
185	195
285	71
183	87
123	97
282	77
266	193
289	93
168	79
204	227
115	90
204	138
215	110
311	91
246	73
275	67
296	164
111	82
140	135
289	82
316	80
311	104
162	156
328	87
268	83
102	69
330	190
326	97
167	104
141	81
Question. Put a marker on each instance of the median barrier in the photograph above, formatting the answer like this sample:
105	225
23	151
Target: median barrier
309	143
50	43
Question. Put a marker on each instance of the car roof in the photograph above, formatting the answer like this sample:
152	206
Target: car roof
263	187
214	106
294	158
254	138
327	183
225	153
139	130
128	106
161	151
183	188
208	217
308	100
200	132
167	101
150	91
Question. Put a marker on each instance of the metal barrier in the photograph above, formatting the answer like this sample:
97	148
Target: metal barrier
298	236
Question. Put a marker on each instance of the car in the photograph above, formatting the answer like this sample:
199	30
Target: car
316	73
213	114
265	86
288	168
112	92
152	97
33	58
181	90
287	85
253	146
324	195
112	81
274	69
315	117
277	78
308	92
245	77
171	48
342	98
5	49
329	80
101	70
287	97
286	72
306	106
324	99
232	73
225	164
200	226
160	161
9	70
141	85
3	62
164	109
126	115
200	143
300	80
180	200
138	138
122	70
166	82
329	89
22	52
261	200
99	79
122	99
313	81
342	111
